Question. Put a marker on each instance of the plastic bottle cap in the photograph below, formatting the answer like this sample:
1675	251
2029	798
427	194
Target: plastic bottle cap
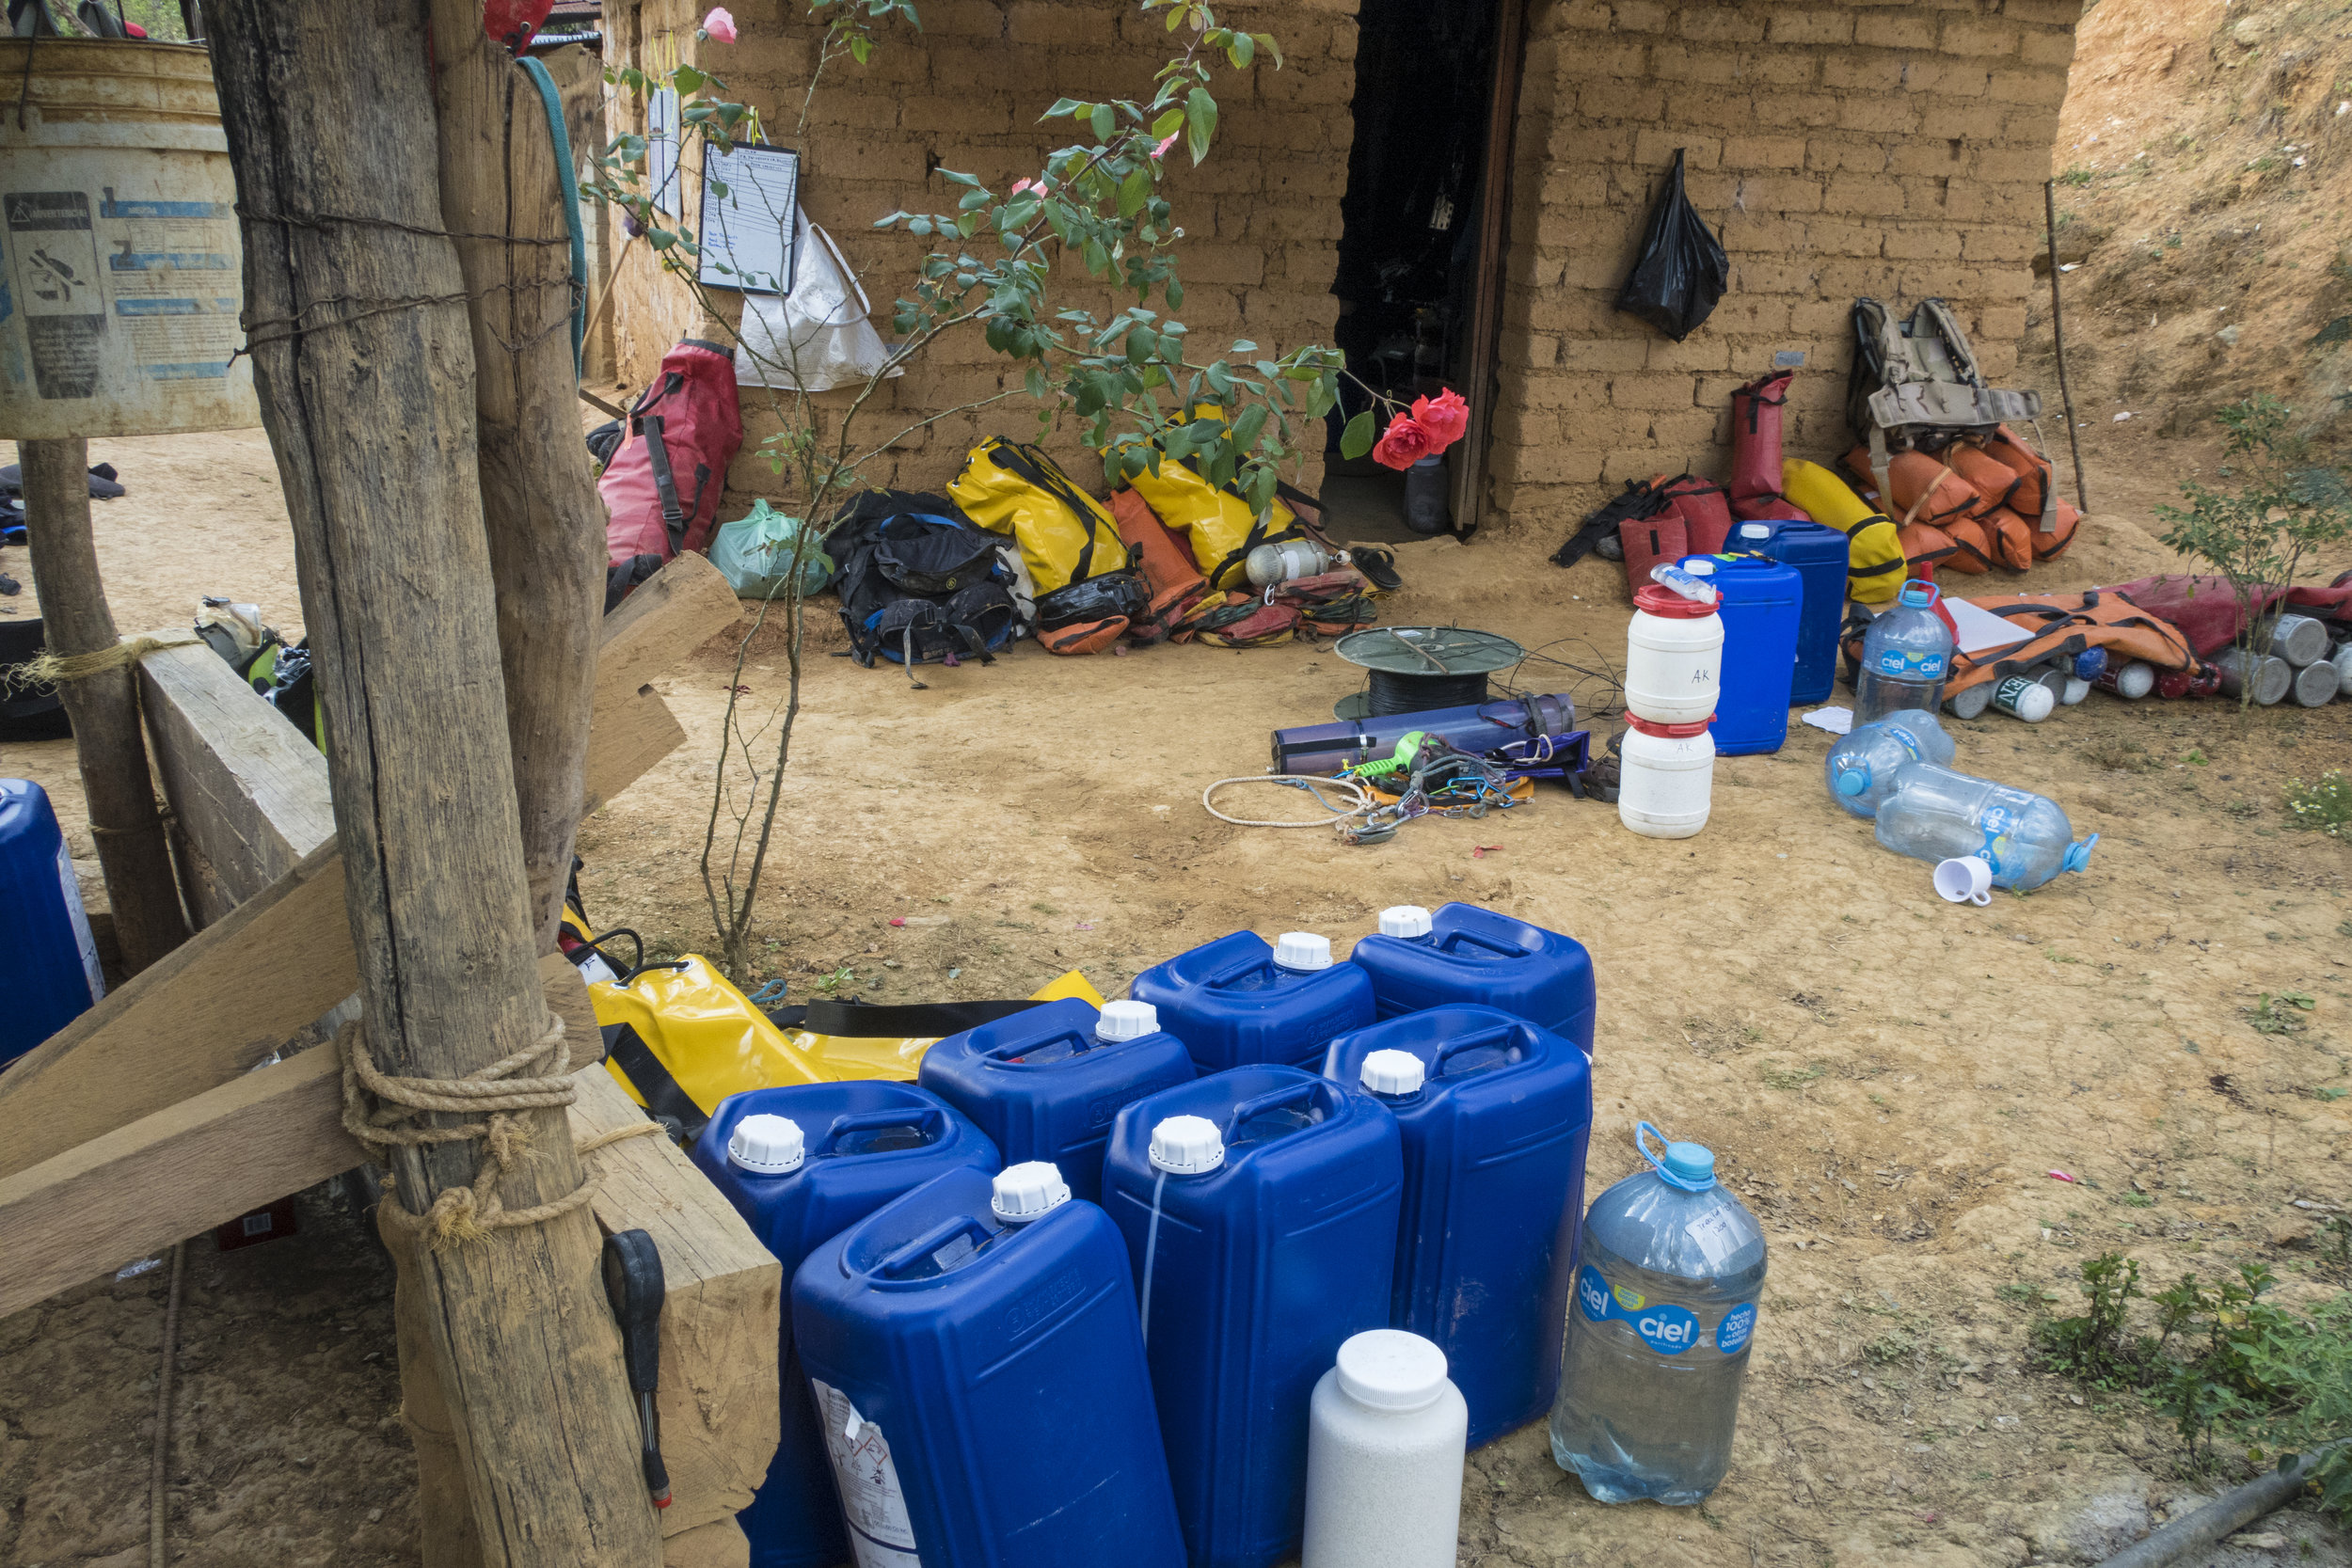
1697	566
1392	1073
1022	1193
1691	1166
1404	920
1127	1020
1388	1369
1302	950
1852	781
1187	1145
1755	531
1916	595
1652	600
1671	732
770	1145
2079	855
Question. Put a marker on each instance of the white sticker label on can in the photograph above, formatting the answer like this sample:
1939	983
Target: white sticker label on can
872	1500
80	917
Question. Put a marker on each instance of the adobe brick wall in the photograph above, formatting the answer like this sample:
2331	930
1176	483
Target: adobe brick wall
1895	150
1261	217
1893	147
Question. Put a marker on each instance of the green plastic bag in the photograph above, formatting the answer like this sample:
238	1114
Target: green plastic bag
754	554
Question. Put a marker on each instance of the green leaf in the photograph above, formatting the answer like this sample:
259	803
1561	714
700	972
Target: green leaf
1035	381
1357	438
1106	121
1098	260
1166	126
1243	346
1247	427
1062	107
1241	51
1134	191
1199	122
918	226
1265	41
688	81
1221	379
860	48
1175	294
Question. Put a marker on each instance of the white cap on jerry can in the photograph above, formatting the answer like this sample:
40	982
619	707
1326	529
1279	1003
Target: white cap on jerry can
767	1146
1392	1073
1022	1193
1126	1021
1187	1145
1404	920
1302	950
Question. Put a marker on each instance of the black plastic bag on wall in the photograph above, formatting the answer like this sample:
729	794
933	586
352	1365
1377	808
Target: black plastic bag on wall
1683	270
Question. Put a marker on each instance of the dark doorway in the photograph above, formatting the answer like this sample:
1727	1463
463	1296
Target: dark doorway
1419	239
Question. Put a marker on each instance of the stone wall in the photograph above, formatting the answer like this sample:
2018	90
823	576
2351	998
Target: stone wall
1890	150
1260	216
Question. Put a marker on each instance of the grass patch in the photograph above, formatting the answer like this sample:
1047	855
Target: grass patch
2325	807
1791	1077
2275	1015
2117	756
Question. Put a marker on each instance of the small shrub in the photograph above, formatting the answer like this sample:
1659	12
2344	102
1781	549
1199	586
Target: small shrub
2324	807
2093	1347
2275	1015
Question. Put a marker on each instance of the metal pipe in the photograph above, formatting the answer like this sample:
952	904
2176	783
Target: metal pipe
2230	1511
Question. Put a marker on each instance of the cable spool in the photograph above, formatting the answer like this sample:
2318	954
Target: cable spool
1392	692
1416	669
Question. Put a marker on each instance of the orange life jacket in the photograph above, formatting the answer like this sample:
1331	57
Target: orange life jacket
2064	625
1992	479
2011	537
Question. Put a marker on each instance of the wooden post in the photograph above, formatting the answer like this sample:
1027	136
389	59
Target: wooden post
355	320
500	175
116	783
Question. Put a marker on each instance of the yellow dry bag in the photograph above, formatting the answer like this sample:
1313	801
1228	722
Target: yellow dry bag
1065	534
1874	550
1218	523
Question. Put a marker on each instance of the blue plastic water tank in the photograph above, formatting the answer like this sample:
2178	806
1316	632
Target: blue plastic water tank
1467	955
1819	554
984	1385
1235	1004
1762	603
1275	1241
1046	1083
1494	1115
48	963
858	1146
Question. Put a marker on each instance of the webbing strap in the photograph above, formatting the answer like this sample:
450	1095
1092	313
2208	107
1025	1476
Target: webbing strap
658	458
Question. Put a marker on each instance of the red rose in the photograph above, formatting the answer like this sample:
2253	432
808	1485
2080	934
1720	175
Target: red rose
1404	444
1443	421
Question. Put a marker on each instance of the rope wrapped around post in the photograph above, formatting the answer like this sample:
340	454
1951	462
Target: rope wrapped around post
463	1215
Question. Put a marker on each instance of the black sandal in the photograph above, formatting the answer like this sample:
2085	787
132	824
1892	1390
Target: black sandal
1378	564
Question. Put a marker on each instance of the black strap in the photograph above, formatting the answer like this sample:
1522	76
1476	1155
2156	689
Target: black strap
658	458
902	1021
650	1079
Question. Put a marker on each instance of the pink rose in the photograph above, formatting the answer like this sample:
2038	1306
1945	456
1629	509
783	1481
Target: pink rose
1443	421
720	24
1170	141
1020	185
1404	444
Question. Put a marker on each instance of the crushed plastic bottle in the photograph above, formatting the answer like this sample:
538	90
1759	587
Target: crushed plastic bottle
1905	656
1666	1288
1688	584
1936	814
1860	768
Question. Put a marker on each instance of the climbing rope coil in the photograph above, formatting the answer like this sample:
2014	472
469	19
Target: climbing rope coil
469	1213
1438	779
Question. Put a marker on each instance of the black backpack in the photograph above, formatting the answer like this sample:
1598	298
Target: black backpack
918	582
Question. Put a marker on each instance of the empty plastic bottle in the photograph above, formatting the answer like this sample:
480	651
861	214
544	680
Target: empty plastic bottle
1936	814
1861	767
1905	656
1666	1287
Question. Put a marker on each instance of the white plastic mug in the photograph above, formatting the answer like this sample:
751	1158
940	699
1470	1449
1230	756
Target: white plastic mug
1965	881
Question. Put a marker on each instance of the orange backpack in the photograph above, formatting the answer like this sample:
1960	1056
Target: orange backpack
1992	479
1168	573
2064	625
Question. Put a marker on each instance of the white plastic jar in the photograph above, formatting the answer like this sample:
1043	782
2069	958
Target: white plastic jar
1667	777
1386	1431
1673	656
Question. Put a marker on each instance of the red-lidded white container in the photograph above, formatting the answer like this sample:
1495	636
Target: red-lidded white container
1673	657
1667	777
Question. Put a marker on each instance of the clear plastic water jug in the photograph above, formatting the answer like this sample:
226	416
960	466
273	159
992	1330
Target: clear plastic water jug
1936	814
1667	1279
1905	656
1861	766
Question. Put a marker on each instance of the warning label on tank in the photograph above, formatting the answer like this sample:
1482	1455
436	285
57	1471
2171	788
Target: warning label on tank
56	284
872	1500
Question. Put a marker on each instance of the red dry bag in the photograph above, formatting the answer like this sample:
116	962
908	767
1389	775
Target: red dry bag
1755	415
664	483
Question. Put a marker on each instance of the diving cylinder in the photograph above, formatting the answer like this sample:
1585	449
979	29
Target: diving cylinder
1293	558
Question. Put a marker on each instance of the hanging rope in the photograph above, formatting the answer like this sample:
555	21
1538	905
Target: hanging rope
463	1215
48	669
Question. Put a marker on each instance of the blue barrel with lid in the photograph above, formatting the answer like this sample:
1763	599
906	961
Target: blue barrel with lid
801	1163
1260	1211
1238	1002
1467	955
1762	605
1819	554
49	962
1046	1083
975	1355
1494	1115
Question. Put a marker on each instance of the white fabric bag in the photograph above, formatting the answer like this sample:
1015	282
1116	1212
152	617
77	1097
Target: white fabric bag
816	338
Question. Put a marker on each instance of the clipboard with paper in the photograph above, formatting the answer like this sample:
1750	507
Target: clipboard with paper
750	198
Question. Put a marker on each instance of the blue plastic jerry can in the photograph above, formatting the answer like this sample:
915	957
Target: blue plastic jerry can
48	960
1494	1113
801	1163
1238	1002
1467	955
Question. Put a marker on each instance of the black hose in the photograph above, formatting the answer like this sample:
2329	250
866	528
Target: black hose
1393	693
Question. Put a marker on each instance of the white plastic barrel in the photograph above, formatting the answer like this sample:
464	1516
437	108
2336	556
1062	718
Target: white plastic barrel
1386	1434
124	269
1673	657
1667	777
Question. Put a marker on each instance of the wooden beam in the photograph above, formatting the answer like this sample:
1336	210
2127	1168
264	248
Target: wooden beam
248	790
719	1317
139	1188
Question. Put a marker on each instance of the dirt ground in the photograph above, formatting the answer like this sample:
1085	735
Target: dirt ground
1889	1079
